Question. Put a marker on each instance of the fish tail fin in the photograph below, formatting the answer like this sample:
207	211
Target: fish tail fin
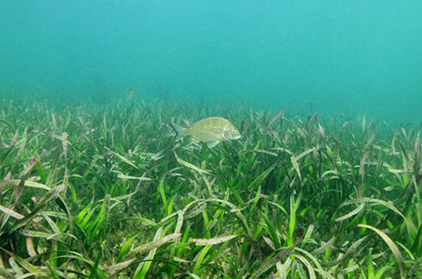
180	131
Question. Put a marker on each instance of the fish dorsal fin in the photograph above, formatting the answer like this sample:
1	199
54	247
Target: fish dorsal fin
187	122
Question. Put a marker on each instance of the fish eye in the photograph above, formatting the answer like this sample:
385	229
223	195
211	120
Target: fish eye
233	132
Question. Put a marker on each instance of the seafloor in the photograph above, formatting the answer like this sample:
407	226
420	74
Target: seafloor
102	191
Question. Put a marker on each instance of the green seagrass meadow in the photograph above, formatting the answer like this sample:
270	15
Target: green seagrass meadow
103	191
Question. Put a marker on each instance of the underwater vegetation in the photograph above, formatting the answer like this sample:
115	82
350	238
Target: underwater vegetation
103	191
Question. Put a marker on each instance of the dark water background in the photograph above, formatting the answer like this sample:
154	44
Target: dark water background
330	57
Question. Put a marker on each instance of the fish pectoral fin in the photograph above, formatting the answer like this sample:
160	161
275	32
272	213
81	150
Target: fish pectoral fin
211	144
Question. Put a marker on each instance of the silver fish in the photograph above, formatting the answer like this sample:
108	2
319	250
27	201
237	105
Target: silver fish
211	130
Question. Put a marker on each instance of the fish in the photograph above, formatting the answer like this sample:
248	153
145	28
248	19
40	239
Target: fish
130	94
211	130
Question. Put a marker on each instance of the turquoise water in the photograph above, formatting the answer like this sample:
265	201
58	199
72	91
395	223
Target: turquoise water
326	57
